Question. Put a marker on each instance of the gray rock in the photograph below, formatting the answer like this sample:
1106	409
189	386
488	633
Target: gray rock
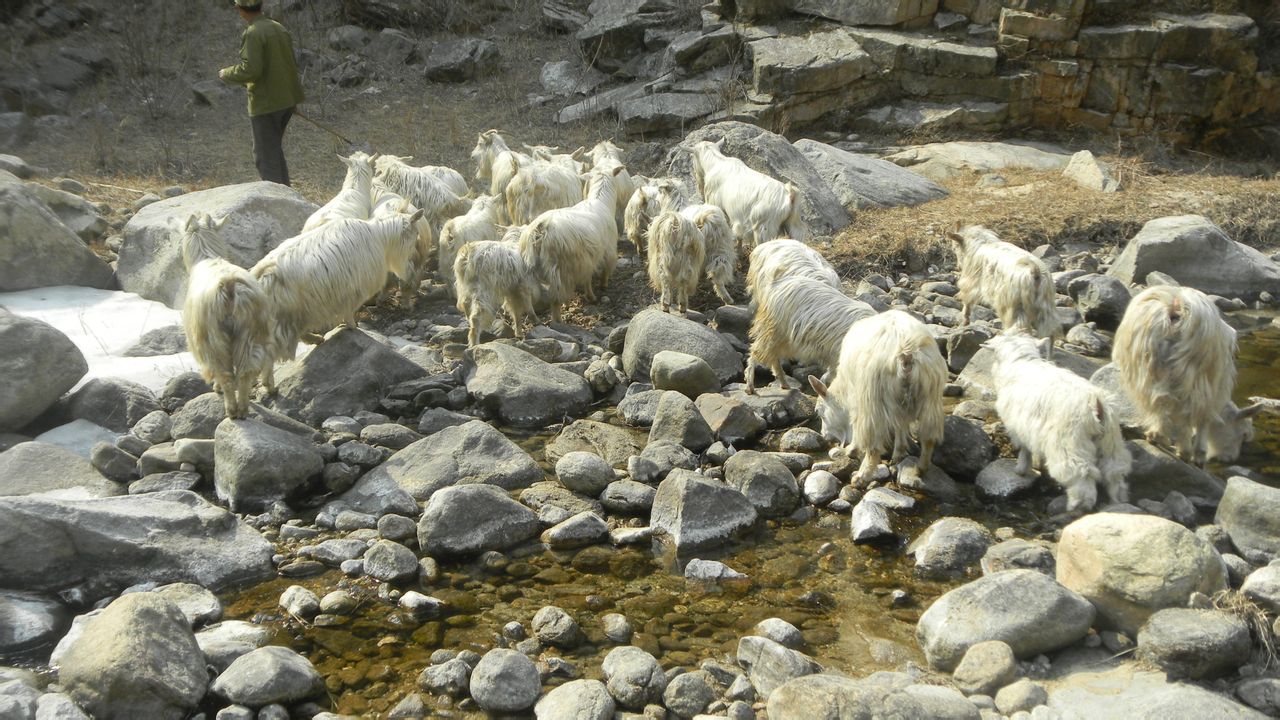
566	77
831	696
1026	609
1246	513
1262	694
138	658
764	481
1085	170
862	181
389	435
942	703
28	621
941	161
154	427
1100	298
80	437
637	409
1018	554
554	503
686	374
658	459
37	467
985	668
1129	566
688	694
390	562
1108	379
76	213
256	464
732	420
461	60
37	249
616	628
1156	473
39	365
348	372
614	444
434	420
696	512
1020	696
615	30
160	482
505	681
300	602
1194	644
678	421
57	706
470	453
200	416
665	111
553	626
452	678
51	544
112	403
950	546
585	528
18	699
260	216
653	331
469	519
576	700
628	497
965	448
1263	587
871	523
710	572
770	665
633	677
521	390
781	632
584	472
1178	246
269	675
999	480
197	604
821	487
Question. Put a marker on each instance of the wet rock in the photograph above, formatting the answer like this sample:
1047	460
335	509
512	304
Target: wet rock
390	562
871	522
553	626
999	481
1130	566
37	467
677	420
1016	554
269	675
452	678
38	249
29	620
686	374
470	453
628	497
260	216
965	448
585	528
39	365
696	512
949	546
576	699
765	481
614	444
50	544
710	572
522	390
1178	246
300	602
1250	514
584	472
555	504
732	420
770	665
1194	644
1026	609
986	667
653	331
468	519
505	681
616	628
633	677
138	658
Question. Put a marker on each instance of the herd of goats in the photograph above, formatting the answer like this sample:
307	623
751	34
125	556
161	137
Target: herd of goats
549	227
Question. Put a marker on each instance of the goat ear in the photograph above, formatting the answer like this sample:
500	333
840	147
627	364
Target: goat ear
617	171
217	224
192	223
577	154
953	232
1250	411
818	386
719	144
413	219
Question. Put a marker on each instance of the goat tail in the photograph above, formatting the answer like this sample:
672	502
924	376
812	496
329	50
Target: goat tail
794	225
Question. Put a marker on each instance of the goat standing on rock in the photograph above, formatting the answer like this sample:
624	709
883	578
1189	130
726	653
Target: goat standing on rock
759	207
1016	284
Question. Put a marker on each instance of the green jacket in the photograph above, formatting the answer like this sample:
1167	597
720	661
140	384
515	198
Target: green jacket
266	68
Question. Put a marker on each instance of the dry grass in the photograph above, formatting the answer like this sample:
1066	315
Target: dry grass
1264	640
1035	208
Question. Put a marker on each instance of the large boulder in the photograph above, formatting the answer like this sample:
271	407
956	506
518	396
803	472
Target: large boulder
29	621
521	390
862	181
1156	473
770	665
1026	609
614	444
37	250
469	519
765	481
256	464
137	659
348	372
37	366
269	675
870	12
1198	254
113	403
653	331
772	155
171	536
260	215
1250	513
470	453
37	467
1195	644
940	161
697	512
1130	566
812	64
615	32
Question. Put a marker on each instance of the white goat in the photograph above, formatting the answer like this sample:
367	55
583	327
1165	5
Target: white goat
606	157
721	254
675	258
651	197
1176	358
547	153
323	277
491	276
480	223
539	186
226	316
773	260
759	207
1015	283
891	375
1059	421
387	204
354	200
496	162
801	319
565	247
436	196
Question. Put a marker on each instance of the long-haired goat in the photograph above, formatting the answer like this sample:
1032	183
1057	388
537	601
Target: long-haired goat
226	316
1016	284
891	375
323	277
759	207
480	223
1176	358
565	247
547	153
651	197
773	260
496	163
606	157
428	188
801	319
1059	420
491	276
539	186
721	256
354	200
387	204
675	258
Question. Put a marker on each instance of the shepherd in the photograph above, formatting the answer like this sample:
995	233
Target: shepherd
268	71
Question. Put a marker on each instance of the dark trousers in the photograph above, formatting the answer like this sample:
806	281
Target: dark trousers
268	148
